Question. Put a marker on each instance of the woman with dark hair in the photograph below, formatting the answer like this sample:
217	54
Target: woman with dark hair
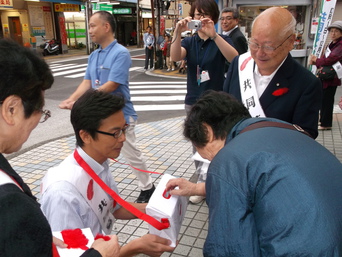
333	55
205	52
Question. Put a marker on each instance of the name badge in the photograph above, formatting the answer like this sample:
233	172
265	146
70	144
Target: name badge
205	76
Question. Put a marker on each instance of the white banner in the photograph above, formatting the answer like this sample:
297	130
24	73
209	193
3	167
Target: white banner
326	14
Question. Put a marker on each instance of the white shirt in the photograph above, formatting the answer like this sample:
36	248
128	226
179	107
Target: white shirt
227	33
65	207
261	82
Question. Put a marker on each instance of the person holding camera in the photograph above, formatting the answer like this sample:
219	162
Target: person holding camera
205	52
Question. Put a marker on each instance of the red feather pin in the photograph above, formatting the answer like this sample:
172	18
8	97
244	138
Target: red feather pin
75	238
280	91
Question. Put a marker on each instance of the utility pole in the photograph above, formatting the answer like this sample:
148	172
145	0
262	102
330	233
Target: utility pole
90	45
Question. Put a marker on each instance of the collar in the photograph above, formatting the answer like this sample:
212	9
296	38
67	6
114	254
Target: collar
97	167
227	33
6	167
257	73
110	46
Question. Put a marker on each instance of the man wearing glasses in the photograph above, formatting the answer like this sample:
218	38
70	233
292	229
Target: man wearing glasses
229	24
70	197
268	81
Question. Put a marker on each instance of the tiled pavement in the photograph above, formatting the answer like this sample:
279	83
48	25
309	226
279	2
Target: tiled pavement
166	151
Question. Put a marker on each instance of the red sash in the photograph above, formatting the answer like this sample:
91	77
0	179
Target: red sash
163	224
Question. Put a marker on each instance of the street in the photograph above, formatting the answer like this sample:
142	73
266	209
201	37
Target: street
154	98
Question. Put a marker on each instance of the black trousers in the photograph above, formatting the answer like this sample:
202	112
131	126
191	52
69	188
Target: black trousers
327	106
148	57
160	61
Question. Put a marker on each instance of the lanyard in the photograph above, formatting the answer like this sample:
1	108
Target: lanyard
163	224
97	68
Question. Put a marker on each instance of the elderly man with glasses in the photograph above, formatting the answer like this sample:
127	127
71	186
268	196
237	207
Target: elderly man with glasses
268	81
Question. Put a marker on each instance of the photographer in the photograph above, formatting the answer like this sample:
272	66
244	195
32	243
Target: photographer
205	53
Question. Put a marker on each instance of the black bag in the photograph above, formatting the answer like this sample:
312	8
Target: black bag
326	73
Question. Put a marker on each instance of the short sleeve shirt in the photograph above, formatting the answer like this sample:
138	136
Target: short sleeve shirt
112	64
205	56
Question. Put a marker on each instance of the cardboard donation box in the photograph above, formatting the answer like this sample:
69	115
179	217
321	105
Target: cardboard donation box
164	206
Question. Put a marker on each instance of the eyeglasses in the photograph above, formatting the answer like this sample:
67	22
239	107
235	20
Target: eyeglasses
227	18
200	14
117	133
45	115
267	49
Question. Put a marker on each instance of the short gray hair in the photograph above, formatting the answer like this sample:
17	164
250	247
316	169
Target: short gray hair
235	11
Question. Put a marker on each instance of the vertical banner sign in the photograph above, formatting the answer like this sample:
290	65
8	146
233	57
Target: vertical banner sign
325	17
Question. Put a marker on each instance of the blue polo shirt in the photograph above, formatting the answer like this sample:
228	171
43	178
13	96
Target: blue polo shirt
112	64
208	57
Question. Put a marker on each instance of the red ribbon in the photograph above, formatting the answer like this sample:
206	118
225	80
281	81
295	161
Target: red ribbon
163	224
152	172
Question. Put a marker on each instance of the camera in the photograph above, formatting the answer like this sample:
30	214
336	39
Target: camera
195	24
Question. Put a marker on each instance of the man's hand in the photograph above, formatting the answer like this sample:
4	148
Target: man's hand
67	104
58	242
186	188
150	245
109	248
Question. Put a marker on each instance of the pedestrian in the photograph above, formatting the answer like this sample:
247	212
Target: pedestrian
159	50
205	55
149	47
100	127
108	70
24	229
332	56
230	27
271	189
268	81
167	48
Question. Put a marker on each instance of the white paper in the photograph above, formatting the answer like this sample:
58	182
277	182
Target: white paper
338	68
65	252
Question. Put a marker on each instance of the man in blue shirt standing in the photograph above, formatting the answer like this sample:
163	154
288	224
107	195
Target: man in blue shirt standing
108	70
148	44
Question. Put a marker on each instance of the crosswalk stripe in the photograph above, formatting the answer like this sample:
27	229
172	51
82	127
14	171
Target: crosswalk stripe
169	86
76	75
69	71
159	107
157	82
144	92
67	67
157	98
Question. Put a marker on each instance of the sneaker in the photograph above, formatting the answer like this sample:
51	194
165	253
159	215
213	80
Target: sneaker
324	128
173	69
168	69
145	195
195	199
